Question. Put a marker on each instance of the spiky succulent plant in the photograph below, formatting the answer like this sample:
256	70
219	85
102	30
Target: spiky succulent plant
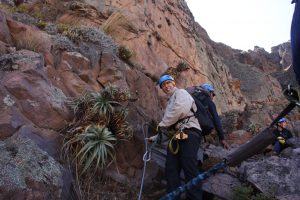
102	105
80	105
116	93
94	147
119	126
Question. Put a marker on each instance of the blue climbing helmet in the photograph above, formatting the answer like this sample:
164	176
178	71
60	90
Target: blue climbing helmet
282	120
164	78
208	87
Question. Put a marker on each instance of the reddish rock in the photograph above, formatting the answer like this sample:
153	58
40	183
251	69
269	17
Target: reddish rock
239	137
4	31
10	121
161	34
74	85
82	67
47	140
40	102
92	17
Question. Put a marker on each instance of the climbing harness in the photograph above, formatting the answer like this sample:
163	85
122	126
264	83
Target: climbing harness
245	151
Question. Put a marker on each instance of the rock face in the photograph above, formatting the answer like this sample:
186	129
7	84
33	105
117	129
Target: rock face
46	59
27	172
163	35
277	176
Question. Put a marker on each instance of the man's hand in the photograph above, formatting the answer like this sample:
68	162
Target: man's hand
155	138
152	138
161	133
225	144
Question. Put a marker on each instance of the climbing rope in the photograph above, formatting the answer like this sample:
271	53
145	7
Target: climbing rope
146	157
194	182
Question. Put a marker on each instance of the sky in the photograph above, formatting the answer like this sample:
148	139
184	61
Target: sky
243	24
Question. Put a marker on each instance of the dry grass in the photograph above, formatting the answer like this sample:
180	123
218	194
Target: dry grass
31	41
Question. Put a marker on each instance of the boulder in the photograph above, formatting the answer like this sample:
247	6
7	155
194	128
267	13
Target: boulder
27	172
31	90
275	175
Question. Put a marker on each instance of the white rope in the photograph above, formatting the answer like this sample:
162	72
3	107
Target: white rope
146	158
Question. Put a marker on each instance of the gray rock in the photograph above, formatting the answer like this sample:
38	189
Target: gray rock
28	172
276	176
221	185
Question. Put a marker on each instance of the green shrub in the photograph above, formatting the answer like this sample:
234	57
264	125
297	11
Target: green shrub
42	24
61	28
182	66
246	192
242	193
124	53
37	14
21	9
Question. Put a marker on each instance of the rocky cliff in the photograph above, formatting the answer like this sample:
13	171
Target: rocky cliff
54	50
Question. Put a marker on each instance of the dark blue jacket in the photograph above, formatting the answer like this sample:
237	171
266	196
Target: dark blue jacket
285	133
295	39
208	102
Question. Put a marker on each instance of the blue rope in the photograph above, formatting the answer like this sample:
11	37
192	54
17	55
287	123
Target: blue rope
194	182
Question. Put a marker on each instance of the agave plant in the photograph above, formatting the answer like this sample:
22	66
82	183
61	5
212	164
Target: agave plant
119	126
110	91
102	105
116	93
96	147
80	105
122	95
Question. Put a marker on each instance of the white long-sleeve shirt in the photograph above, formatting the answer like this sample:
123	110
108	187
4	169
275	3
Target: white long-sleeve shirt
179	106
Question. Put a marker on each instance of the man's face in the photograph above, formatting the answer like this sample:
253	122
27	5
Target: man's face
167	86
283	124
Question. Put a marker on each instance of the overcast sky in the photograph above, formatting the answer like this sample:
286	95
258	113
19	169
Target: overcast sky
243	24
